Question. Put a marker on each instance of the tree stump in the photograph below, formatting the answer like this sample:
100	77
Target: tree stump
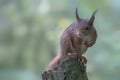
67	69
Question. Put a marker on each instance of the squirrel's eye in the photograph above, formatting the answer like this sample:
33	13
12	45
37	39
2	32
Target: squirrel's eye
86	28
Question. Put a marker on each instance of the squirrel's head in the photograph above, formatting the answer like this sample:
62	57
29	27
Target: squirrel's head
85	27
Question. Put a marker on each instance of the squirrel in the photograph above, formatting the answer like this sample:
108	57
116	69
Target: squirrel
76	39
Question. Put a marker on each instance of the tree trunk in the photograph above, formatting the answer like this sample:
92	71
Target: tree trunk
67	69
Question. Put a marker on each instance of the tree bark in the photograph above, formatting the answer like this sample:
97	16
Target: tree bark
67	69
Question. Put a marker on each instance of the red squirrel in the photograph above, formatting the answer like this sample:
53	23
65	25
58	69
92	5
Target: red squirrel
76	39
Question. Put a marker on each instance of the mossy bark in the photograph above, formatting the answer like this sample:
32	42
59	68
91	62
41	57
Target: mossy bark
67	69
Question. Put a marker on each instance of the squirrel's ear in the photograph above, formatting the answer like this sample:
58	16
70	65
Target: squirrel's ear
92	18
77	16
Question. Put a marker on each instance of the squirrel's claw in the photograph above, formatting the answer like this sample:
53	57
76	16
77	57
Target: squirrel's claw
82	60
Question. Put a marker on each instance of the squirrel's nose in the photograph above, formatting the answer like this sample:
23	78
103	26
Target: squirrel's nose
80	35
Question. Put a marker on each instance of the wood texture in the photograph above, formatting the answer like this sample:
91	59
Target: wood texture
67	69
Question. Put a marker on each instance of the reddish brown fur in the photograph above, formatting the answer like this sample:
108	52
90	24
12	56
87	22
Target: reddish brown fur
76	39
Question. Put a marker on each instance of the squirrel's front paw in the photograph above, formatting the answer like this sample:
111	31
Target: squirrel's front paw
82	60
89	44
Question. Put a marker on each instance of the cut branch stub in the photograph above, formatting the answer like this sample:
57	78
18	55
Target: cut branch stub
67	69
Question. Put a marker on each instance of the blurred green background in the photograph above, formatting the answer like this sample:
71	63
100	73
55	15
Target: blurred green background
30	32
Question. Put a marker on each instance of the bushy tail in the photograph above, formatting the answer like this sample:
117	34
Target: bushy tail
54	62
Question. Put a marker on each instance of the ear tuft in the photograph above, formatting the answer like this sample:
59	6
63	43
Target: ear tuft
94	13
77	16
91	21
